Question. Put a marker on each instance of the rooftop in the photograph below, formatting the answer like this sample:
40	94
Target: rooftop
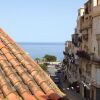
21	78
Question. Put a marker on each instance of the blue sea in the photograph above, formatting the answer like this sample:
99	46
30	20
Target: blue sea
41	49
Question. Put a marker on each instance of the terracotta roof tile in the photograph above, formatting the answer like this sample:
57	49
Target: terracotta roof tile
6	42
5	86
14	62
6	89
21	77
1	95
20	69
12	96
30	68
28	96
14	78
21	87
4	50
1	57
19	57
36	90
7	70
9	56
1	45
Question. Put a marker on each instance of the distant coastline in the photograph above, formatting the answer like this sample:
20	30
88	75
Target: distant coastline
52	43
40	49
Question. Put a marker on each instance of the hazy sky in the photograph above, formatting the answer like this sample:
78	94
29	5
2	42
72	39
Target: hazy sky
39	20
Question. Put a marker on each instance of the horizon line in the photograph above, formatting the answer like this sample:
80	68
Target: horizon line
40	42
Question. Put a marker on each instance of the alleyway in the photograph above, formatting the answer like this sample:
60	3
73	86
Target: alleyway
72	95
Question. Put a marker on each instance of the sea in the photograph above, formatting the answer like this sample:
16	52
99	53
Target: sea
39	50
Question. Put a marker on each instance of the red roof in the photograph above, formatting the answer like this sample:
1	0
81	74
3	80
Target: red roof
21	77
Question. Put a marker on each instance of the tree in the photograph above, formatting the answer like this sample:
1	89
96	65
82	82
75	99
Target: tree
49	58
43	66
37	60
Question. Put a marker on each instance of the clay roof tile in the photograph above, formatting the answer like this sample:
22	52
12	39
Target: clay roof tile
1	45
21	77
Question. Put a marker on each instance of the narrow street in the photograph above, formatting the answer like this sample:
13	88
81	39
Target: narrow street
63	85
71	94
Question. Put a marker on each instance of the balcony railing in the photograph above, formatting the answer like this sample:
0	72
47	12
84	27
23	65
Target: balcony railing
85	36
95	83
76	39
83	54
96	10
98	37
65	61
88	7
95	80
96	59
65	53
86	24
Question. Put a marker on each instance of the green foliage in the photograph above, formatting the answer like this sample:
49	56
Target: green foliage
49	58
37	59
44	66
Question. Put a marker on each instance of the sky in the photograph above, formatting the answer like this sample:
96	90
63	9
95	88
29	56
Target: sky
39	20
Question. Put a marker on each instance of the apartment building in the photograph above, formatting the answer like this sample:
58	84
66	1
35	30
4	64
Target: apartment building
85	68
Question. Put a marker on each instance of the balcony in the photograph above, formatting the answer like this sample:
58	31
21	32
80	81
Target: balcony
65	61
77	60
65	53
96	10
83	54
68	45
98	37
87	22
88	77
87	7
95	83
76	39
85	36
96	78
96	60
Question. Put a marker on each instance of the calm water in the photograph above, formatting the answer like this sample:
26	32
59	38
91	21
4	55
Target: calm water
40	49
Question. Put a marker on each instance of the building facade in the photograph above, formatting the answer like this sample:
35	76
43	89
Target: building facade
84	66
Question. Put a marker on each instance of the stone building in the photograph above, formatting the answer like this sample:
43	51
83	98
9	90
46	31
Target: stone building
86	50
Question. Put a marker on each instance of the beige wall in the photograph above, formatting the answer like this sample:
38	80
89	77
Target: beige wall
96	73
89	40
93	75
96	30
